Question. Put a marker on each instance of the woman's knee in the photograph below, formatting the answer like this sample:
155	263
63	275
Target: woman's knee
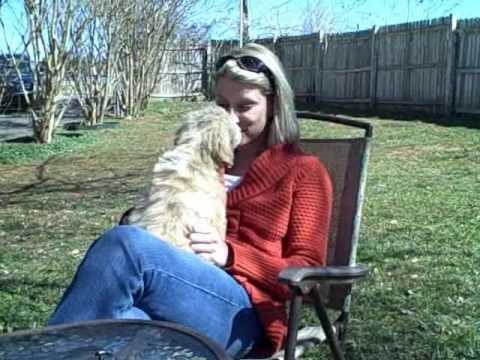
116	243
132	244
120	236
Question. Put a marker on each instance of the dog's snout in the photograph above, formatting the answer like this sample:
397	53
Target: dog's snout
233	116
237	137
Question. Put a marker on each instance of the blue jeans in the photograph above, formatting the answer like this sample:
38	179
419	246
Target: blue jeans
128	273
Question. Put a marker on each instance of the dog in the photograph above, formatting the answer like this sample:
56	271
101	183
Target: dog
187	186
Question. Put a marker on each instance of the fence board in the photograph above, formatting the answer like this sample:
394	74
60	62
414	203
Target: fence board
467	99
183	73
300	55
346	67
412	63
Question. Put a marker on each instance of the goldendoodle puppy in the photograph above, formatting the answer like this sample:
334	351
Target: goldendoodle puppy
187	186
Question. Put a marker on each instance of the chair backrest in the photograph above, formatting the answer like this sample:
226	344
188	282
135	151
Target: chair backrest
346	160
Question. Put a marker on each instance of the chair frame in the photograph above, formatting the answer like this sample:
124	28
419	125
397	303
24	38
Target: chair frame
306	281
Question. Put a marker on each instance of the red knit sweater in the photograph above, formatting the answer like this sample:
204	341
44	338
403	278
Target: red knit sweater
277	217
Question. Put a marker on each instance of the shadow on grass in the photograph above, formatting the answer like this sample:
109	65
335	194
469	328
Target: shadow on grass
48	190
471	121
78	126
110	186
24	139
11	285
40	171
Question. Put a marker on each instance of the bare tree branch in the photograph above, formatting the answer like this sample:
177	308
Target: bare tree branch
49	40
150	28
93	66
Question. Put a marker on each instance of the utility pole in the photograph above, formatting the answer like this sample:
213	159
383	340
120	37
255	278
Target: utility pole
243	22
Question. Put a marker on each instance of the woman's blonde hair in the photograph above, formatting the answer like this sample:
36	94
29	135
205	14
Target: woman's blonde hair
284	125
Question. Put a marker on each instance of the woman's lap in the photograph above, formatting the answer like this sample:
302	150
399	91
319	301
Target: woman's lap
129	273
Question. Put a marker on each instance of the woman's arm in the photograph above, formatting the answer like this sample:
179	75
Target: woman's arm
305	242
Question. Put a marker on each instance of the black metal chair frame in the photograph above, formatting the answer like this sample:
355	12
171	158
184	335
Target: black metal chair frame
307	282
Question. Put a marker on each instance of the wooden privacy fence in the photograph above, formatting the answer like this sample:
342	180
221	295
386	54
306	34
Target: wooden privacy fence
467	69
428	66
184	73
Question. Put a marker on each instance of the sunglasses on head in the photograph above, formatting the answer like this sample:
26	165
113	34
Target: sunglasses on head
249	63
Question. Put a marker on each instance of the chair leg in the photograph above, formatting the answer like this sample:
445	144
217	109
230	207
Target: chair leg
327	326
293	322
341	325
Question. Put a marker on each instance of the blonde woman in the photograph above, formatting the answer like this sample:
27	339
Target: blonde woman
278	213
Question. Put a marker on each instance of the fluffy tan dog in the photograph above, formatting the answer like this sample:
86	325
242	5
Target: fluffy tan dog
187	186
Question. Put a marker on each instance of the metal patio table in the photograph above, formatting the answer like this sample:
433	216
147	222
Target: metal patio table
110	339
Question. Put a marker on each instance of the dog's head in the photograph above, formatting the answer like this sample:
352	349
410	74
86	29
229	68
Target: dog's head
213	131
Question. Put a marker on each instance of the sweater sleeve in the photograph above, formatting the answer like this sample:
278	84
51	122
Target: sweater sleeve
305	241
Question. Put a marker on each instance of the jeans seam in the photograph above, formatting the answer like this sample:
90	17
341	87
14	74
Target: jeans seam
195	286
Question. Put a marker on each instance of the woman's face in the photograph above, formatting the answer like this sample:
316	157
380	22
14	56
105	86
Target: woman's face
249	108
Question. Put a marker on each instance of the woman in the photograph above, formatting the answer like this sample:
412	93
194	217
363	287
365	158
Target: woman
278	210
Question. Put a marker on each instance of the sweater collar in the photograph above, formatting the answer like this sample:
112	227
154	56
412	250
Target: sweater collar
264	172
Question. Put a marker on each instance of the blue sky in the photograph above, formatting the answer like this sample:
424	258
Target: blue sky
282	17
269	17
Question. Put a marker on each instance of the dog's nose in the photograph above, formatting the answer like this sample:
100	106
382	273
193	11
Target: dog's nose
234	117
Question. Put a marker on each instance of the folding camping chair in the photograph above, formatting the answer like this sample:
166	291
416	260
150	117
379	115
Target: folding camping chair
330	286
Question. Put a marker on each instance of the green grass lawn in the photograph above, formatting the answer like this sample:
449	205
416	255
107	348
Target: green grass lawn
420	233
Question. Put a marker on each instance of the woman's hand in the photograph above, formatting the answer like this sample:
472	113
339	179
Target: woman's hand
207	242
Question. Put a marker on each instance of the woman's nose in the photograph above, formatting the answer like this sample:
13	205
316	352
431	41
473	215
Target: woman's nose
234	116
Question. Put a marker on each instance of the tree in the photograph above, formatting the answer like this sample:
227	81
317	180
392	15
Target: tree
49	39
14	64
149	29
95	54
317	17
3	79
243	22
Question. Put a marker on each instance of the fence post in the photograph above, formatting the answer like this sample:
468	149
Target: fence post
450	77
316	75
319	67
373	69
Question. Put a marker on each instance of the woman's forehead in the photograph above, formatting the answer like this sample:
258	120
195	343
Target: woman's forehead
227	88
241	97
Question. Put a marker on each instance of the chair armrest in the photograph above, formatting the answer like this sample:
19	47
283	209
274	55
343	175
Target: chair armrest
125	218
325	274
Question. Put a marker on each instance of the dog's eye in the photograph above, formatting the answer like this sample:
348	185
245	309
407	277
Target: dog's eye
222	105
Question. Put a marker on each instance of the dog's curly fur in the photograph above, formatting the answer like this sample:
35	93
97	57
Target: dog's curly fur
187	188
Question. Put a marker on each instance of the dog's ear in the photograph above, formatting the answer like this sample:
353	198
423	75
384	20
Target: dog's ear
219	142
180	134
